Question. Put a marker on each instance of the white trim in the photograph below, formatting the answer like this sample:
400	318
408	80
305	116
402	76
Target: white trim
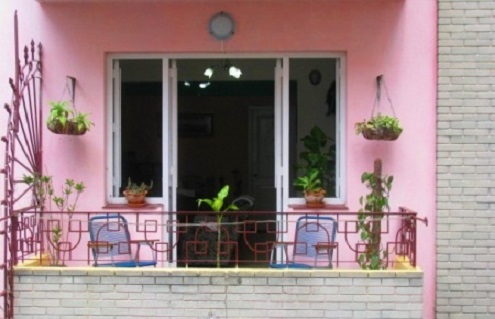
285	133
278	110
173	136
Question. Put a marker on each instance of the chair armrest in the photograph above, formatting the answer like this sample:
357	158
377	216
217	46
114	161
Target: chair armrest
325	246
99	244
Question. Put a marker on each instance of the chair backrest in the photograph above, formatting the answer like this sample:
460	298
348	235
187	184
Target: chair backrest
244	202
112	230
312	230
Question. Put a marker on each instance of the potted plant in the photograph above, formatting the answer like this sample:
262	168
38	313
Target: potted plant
318	165
380	127
136	193
310	184
64	119
216	204
370	217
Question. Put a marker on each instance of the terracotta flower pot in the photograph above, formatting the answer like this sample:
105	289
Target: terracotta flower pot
135	200
315	198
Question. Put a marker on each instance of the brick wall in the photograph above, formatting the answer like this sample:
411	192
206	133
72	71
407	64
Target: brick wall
174	293
466	162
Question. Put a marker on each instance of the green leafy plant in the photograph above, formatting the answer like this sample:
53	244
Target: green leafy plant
309	182
44	194
64	119
370	217
66	202
42	188
135	188
380	127
217	205
56	236
319	157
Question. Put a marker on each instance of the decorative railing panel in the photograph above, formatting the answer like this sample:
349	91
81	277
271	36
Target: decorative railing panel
191	239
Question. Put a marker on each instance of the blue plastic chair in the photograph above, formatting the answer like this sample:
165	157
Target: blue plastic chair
314	237
111	244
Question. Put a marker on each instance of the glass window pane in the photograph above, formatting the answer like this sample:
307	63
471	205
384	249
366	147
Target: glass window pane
141	123
313	124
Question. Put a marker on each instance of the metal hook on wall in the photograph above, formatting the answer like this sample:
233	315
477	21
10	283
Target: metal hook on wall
379	87
71	88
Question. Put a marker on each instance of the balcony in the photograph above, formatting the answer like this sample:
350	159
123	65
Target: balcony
189	282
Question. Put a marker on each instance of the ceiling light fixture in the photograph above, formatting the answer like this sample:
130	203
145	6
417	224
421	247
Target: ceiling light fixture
233	71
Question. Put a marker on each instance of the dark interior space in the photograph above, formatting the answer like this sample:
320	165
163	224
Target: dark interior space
142	134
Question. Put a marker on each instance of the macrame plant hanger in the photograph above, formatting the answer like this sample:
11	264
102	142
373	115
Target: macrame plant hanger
380	82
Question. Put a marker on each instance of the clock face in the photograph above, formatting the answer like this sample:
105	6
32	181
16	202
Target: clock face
221	26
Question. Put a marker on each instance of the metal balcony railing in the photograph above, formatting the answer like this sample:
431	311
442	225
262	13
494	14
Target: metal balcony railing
191	239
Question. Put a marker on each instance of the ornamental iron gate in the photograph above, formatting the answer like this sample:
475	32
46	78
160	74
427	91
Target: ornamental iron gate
22	157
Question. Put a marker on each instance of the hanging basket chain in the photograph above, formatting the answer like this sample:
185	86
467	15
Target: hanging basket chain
69	90
380	81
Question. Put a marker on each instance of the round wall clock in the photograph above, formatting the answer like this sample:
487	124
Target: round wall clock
221	26
314	77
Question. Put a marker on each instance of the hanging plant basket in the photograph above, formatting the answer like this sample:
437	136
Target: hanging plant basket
380	127
64	118
382	134
69	128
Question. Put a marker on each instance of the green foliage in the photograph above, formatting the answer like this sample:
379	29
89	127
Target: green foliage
43	193
319	156
57	235
380	122
65	202
136	189
217	205
309	182
370	224
62	115
42	188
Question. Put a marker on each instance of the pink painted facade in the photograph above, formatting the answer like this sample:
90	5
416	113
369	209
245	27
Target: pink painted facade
396	38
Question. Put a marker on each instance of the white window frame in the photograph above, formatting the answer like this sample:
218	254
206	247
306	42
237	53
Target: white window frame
281	172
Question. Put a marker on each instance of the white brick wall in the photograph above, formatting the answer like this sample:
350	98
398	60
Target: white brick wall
191	293
466	162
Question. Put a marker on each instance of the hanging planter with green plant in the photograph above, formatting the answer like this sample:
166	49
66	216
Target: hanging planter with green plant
380	127
64	119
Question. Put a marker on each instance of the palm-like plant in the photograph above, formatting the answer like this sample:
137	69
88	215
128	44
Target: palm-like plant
217	205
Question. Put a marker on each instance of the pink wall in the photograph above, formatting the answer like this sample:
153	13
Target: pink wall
396	38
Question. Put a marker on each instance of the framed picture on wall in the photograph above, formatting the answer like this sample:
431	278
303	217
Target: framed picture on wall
195	124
